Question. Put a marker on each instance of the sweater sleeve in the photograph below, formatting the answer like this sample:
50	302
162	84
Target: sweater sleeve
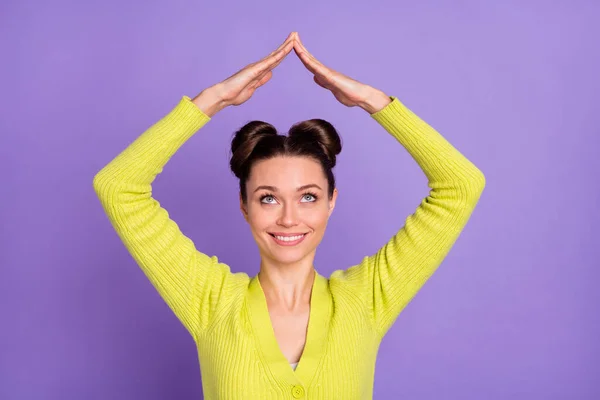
392	276
187	280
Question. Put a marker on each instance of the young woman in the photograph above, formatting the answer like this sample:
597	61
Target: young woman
252	332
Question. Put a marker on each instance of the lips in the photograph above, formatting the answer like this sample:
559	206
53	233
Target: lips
288	242
286	234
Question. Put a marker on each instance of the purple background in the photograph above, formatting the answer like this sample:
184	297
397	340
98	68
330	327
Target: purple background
511	313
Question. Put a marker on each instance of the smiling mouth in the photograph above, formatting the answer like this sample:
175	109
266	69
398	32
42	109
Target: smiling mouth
288	240
299	234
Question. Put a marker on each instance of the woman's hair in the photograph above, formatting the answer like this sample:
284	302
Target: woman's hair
258	140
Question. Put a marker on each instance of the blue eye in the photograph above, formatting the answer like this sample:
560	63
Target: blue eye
268	195
264	197
310	194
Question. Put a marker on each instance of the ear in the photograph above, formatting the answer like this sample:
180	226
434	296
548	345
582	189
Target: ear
332	202
243	208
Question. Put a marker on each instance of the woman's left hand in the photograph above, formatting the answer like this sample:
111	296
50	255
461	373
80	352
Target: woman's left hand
346	90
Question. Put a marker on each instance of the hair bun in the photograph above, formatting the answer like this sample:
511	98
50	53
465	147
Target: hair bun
317	132
245	140
316	139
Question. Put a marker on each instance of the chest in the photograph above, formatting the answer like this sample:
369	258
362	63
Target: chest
337	372
242	356
290	332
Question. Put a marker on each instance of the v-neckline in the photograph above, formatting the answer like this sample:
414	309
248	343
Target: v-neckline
318	327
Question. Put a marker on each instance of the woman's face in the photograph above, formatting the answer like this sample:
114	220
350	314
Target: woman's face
287	195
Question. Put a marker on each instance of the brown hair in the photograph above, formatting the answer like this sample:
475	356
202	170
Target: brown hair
258	140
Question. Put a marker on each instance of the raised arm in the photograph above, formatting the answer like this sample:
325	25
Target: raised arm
386	281
190	282
185	278
392	276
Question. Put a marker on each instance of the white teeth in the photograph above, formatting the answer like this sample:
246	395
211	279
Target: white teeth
288	238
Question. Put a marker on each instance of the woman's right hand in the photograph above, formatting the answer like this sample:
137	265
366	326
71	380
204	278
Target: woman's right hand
240	86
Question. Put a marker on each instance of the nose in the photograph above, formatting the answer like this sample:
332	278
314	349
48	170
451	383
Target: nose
288	215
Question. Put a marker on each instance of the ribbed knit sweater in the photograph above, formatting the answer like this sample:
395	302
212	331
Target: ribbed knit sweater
226	313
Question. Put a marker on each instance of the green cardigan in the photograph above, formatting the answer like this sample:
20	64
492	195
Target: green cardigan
226	313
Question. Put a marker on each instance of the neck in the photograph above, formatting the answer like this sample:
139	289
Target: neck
287	289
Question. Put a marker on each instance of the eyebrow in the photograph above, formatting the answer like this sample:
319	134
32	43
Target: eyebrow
274	189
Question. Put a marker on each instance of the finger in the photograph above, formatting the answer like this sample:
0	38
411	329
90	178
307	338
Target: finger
273	61
285	42
314	67
264	79
301	45
258	68
308	63
320	82
261	76
286	50
313	58
290	38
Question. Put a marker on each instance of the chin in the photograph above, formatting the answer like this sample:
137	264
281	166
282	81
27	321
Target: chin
291	259
288	253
